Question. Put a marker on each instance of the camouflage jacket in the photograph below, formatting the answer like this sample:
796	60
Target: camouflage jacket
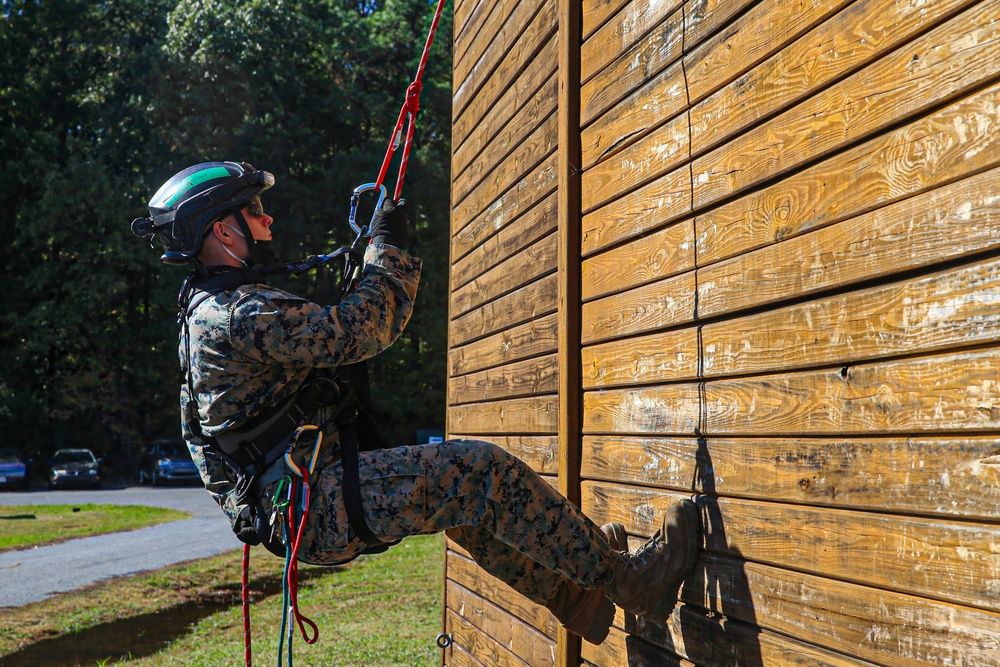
252	347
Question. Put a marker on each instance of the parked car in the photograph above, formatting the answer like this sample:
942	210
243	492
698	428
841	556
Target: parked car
13	469
74	467
167	461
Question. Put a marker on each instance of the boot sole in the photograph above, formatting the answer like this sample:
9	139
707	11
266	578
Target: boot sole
661	612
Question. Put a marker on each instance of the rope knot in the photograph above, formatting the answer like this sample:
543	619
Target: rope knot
413	97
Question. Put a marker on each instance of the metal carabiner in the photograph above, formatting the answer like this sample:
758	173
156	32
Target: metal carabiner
354	205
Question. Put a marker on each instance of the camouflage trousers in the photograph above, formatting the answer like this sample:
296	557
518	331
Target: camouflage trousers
512	522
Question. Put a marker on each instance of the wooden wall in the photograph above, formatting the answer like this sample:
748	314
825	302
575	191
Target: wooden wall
747	252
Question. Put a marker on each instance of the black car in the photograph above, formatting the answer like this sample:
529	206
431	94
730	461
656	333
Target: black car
13	469
74	468
167	461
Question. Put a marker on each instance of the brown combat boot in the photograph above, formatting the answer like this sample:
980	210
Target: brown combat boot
647	581
588	613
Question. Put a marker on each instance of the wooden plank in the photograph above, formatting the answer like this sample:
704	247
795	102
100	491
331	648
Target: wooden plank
496	35
650	56
659	255
485	117
597	12
493	635
860	33
952	143
527	303
626	28
487	87
511	239
655	155
885	627
456	655
954	561
541	452
660	357
468	233
522	378
713	641
492	142
665	200
520	342
954	392
621	649
486	649
464	571
661	98
529	416
526	266
942	393
469	200
704	17
640	310
668	410
946	310
468	20
941	65
947	476
764	30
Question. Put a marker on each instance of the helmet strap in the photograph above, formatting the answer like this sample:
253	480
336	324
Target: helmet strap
261	252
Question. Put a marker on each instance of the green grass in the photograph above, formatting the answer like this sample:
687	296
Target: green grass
379	611
26	526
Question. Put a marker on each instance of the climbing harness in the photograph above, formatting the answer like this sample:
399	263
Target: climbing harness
256	469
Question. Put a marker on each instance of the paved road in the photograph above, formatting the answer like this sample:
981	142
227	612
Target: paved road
35	574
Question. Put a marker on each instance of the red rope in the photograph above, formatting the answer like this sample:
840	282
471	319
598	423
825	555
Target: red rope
247	652
293	566
411	105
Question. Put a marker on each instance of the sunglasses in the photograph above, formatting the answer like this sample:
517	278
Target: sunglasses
255	207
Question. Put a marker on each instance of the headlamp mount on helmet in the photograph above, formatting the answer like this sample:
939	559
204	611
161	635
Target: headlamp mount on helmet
183	208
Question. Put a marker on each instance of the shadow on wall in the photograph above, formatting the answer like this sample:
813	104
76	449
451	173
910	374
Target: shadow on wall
726	633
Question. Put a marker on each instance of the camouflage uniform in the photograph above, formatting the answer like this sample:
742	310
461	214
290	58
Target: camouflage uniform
253	347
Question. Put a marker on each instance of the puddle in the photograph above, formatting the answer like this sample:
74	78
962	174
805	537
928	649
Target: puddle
137	637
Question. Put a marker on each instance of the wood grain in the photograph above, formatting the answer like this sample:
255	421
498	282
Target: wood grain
521	378
655	256
666	199
468	21
947	310
704	17
624	29
945	476
536	415
484	625
523	267
470	232
597	12
519	342
952	143
482	121
527	303
650	55
953	561
463	571
640	310
497	35
858	34
486	83
469	200
661	98
764	30
656	154
517	235
667	410
941	65
660	357
502	131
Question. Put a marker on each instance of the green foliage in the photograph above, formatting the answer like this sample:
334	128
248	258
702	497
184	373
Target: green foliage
102	102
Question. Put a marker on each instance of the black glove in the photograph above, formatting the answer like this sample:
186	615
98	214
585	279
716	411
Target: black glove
391	224
244	528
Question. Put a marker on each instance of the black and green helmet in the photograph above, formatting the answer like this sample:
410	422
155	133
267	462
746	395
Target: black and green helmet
184	206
